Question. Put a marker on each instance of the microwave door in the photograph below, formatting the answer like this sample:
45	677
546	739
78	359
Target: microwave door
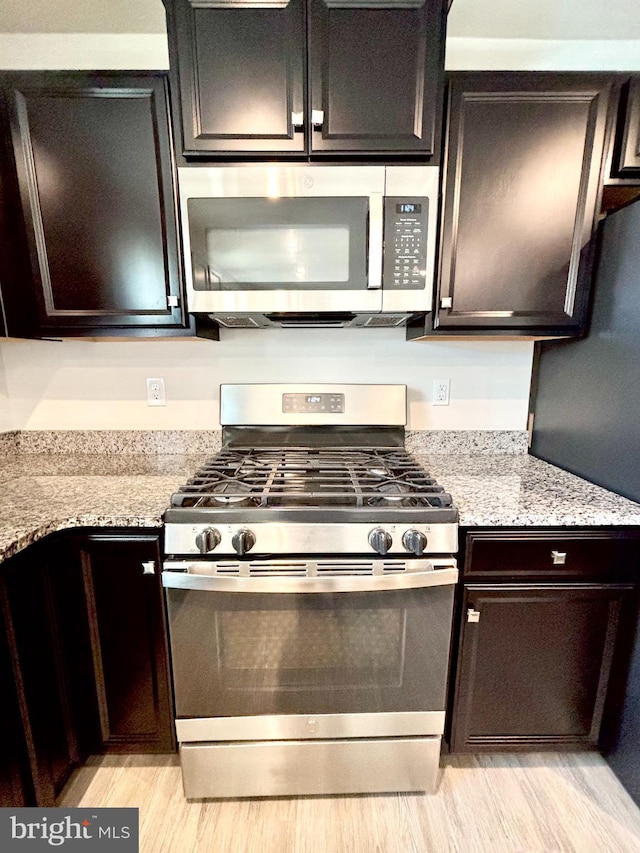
289	254
296	253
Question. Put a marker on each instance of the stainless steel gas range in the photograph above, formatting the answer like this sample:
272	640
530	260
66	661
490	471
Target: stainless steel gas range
310	576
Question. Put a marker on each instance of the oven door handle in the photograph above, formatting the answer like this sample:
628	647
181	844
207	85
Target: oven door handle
178	576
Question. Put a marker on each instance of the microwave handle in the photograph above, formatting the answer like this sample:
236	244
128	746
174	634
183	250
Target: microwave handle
376	238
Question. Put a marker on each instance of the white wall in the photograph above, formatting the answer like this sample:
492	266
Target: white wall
89	385
6	415
482	35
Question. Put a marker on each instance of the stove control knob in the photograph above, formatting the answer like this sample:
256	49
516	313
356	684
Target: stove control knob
380	541
243	541
207	540
414	541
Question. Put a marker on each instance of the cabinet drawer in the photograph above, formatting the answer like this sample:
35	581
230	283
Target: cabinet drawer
552	554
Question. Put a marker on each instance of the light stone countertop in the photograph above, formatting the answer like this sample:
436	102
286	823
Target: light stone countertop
42	493
518	490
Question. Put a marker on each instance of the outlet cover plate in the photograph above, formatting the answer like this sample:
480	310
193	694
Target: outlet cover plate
156	395
441	388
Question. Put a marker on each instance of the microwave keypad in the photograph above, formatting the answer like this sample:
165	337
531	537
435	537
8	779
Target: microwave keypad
405	243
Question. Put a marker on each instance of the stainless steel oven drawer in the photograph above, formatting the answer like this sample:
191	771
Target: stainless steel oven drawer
294	768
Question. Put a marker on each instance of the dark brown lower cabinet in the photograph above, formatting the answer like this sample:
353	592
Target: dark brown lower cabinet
123	590
14	754
34	642
534	663
84	665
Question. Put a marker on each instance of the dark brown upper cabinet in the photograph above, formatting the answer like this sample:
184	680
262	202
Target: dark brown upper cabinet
89	173
308	77
627	149
522	183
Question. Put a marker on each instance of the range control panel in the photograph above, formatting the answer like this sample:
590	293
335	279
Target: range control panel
405	242
311	403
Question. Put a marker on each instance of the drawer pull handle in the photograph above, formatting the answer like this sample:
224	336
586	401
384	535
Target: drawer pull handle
559	558
473	615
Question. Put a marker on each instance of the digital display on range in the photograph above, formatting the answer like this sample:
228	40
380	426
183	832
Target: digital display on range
407	207
308	404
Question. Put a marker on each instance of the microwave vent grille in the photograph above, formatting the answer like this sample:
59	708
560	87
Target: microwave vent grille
386	320
237	322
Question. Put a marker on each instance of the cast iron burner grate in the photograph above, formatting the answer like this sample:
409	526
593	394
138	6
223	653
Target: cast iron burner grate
309	477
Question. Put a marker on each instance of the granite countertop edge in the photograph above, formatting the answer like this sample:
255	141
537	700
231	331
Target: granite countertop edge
24	538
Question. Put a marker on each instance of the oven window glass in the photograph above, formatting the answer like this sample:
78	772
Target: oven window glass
284	244
350	644
250	653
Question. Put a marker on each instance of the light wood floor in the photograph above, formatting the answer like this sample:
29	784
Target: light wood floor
489	804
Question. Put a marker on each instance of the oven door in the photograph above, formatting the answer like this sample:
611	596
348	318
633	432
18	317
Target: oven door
275	239
264	658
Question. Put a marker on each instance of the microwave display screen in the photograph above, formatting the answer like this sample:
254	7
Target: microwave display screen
407	207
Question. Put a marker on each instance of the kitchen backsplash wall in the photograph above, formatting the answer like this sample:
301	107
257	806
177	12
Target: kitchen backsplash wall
93	385
6	417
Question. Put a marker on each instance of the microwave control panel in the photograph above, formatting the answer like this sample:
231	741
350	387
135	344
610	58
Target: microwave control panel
405	243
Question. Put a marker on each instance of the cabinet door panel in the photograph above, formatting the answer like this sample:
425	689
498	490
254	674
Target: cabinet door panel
126	615
94	168
522	181
41	674
15	787
533	670
241	70
376	74
629	155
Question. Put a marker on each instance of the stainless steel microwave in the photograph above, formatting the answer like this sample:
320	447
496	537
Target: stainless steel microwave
309	245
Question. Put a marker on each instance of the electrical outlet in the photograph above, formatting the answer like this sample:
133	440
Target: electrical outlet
441	392
155	393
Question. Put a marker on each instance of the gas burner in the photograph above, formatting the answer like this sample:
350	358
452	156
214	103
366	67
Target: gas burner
380	472
394	492
230	492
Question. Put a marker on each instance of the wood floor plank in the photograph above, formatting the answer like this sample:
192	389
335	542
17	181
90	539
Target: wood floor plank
522	803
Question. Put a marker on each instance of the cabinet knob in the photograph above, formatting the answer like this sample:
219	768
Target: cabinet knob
317	119
446	302
297	121
473	615
558	558
149	568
